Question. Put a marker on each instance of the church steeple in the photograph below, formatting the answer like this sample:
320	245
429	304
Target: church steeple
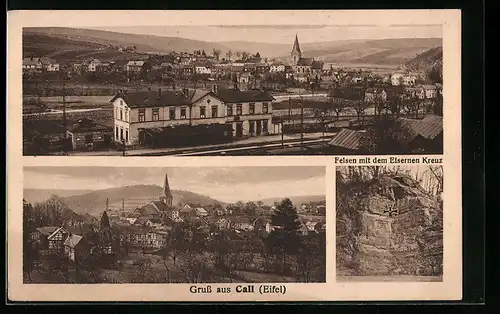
167	195
296	53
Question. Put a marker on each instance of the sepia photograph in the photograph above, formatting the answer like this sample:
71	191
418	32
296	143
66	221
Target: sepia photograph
389	223
224	90
174	225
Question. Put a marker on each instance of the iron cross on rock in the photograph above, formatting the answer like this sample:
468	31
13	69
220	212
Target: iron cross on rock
391	211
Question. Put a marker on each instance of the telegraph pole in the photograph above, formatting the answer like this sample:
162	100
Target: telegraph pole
301	123
282	135
66	144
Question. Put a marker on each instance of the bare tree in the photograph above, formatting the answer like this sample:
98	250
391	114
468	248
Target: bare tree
322	115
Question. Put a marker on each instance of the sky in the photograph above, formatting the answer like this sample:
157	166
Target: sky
227	184
284	34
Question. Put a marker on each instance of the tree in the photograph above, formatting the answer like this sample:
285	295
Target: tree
216	53
311	259
438	104
30	254
250	209
322	115
385	136
285	239
360	107
257	55
229	54
412	106
238	54
338	106
244	55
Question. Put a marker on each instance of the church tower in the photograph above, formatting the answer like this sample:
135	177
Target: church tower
296	53
167	195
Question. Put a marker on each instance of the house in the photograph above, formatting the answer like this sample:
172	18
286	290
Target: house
320	209
187	69
150	118
405	79
154	222
92	65
249	112
346	141
187	213
76	247
430	91
144	237
135	66
132	218
314	226
85	132
202	69
303	230
223	223
56	240
118	66
39	237
32	64
277	67
49	134
167	66
201	212
244	77
241	223
49	64
375	94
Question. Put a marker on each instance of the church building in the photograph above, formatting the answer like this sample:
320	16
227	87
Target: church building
304	69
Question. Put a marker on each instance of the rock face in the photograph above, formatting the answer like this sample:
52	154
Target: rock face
388	226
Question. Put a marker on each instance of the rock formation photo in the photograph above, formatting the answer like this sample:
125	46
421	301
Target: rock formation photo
389	223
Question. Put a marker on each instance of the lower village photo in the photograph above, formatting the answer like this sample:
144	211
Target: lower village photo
115	225
389	223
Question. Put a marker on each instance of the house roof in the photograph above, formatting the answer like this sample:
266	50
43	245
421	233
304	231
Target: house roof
236	96
148	209
161	206
72	240
305	62
144	99
55	232
87	125
47	231
240	219
201	210
346	139
31	61
141	220
43	127
317	65
136	63
156	220
186	209
426	129
374	90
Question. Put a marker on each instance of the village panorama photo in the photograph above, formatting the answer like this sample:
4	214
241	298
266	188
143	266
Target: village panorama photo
84	225
389	223
222	90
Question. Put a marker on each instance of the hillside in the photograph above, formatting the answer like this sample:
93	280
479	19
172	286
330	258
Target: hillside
143	43
40	195
94	202
296	200
381	51
70	43
425	60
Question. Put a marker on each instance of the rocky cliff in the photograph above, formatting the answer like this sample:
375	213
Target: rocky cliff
388	226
